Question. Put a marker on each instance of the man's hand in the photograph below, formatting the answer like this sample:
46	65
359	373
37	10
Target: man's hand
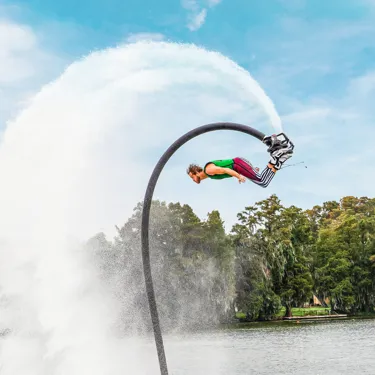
241	179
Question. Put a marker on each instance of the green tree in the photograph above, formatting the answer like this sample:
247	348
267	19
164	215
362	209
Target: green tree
343	257
283	237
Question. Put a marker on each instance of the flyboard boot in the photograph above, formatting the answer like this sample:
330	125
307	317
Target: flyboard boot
280	148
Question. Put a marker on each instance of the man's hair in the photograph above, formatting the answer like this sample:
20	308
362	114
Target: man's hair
194	169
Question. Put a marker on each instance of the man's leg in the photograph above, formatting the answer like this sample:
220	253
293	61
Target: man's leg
243	167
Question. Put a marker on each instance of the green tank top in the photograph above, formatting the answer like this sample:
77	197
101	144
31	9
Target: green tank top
225	163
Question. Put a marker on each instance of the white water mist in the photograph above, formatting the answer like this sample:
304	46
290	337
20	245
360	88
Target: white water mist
76	161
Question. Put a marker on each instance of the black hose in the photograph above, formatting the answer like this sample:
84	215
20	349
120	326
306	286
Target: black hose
146	219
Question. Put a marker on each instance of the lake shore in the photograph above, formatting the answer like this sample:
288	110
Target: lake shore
304	314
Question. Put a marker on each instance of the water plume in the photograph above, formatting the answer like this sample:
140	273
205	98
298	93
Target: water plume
75	162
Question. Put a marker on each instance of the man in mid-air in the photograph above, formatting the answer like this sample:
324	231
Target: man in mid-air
279	147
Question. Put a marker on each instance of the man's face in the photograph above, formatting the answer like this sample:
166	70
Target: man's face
195	177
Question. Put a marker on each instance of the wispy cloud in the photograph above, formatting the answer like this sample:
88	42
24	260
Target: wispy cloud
368	3
212	3
364	85
303	54
24	66
16	42
321	75
197	20
336	144
197	12
132	38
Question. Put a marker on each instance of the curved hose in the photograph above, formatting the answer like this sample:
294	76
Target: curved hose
146	219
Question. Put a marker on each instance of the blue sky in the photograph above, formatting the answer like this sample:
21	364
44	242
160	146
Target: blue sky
317	47
315	59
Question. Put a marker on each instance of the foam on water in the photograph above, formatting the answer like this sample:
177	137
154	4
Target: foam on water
76	161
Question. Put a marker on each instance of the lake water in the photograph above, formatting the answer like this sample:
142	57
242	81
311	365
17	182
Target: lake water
345	347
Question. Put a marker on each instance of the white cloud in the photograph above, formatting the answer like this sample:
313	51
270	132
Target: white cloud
324	83
197	20
363	86
304	52
334	137
132	38
24	66
370	4
16	42
197	12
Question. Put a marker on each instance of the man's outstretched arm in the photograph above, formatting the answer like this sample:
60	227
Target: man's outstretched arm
212	169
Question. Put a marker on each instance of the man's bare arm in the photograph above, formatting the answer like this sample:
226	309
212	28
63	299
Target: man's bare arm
212	169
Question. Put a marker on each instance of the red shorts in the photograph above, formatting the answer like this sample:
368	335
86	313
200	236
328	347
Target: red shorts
242	166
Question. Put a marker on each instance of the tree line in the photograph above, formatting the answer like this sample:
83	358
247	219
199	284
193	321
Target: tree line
274	257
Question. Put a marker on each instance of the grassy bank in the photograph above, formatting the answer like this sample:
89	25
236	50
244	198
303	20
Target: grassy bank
296	311
309	311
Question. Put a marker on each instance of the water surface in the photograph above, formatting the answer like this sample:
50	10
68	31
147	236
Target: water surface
335	348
